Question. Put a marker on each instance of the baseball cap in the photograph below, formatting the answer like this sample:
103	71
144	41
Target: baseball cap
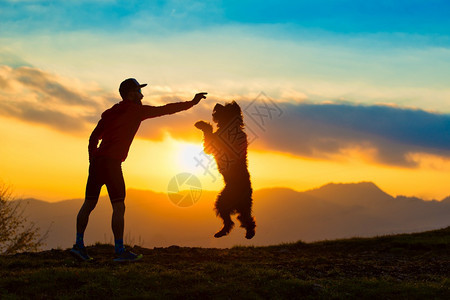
130	84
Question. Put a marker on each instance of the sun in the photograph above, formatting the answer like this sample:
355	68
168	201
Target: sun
188	156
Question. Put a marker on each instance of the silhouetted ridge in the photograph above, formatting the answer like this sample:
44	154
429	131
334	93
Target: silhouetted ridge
284	215
362	193
446	200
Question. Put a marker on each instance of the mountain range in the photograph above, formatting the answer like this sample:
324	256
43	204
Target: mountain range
283	215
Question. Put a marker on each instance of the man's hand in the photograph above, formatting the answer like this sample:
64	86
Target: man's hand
204	126
199	97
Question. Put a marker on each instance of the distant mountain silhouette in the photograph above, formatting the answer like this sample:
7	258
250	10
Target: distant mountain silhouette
360	194
446	200
283	215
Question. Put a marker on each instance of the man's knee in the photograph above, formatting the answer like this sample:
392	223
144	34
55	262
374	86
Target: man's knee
89	205
118	207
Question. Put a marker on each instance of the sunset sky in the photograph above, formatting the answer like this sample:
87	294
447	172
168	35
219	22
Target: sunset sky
332	90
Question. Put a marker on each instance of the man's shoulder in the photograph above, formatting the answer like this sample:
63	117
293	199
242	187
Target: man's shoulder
119	108
110	110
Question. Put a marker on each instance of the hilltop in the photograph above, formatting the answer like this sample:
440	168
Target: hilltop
282	215
408	266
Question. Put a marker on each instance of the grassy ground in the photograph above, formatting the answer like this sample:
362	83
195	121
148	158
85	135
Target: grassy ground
415	266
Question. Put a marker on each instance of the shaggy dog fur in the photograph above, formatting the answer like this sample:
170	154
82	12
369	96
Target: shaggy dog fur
229	144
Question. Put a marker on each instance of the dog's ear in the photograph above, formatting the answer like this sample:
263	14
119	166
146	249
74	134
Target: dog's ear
235	106
218	107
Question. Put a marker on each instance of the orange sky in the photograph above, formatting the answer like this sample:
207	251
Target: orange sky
47	164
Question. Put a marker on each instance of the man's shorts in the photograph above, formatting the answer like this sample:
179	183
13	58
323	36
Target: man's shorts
105	171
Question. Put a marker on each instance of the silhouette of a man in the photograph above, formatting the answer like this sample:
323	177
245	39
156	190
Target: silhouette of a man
116	130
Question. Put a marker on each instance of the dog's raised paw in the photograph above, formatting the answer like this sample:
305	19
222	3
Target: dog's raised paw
204	126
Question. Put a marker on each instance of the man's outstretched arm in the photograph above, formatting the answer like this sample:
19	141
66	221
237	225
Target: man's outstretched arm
171	108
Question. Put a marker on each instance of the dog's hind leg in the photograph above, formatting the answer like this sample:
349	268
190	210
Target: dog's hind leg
227	225
223	210
247	222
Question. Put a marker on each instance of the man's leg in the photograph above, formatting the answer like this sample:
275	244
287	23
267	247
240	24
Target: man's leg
93	187
78	250
117	220
116	190
83	215
117	224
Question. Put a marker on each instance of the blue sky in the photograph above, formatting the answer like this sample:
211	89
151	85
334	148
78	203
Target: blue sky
370	52
428	18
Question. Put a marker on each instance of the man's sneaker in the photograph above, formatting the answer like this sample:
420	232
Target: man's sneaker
80	253
128	256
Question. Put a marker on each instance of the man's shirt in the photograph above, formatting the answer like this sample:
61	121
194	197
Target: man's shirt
119	124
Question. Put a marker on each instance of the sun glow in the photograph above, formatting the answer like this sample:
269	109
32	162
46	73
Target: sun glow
190	158
188	155
57	169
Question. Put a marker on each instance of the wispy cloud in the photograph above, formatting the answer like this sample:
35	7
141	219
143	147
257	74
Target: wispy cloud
242	59
48	87
35	96
390	134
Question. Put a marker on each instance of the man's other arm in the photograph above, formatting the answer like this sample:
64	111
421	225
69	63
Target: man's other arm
95	137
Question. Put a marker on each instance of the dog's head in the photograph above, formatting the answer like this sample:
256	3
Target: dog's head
224	115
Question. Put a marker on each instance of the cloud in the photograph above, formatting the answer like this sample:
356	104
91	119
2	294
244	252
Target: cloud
384	134
35	96
54	119
389	133
43	83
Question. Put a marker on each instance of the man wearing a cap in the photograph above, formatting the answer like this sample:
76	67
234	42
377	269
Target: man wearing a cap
116	130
